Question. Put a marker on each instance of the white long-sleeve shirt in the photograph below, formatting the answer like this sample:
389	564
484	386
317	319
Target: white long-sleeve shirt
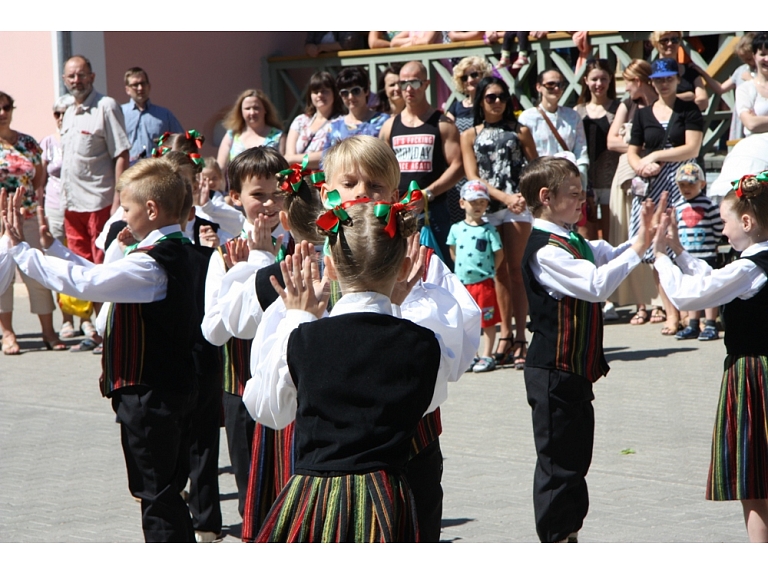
693	285
270	395
134	279
232	308
563	275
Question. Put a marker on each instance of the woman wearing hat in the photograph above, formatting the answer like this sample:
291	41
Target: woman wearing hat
664	136
691	85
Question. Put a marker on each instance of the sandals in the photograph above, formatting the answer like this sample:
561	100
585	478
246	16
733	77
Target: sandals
520	353
666	330
67	330
11	348
55	344
658	316
505	357
86	345
640	317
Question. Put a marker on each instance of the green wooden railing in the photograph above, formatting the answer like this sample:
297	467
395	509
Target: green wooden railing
288	75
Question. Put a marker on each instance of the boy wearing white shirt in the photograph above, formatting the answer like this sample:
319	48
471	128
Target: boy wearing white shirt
566	278
148	370
232	308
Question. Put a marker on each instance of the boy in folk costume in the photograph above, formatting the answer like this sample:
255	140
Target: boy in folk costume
566	278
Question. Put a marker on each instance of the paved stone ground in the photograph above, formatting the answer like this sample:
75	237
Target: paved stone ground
62	475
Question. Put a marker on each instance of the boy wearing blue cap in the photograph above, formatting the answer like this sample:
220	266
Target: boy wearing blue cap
476	248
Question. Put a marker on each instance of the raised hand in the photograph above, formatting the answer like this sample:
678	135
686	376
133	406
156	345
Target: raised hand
209	237
660	240
416	256
299	292
13	218
203	191
46	238
260	238
321	285
125	239
237	251
643	239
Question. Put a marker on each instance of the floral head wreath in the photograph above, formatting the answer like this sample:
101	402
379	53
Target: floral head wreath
737	185
335	215
389	211
290	179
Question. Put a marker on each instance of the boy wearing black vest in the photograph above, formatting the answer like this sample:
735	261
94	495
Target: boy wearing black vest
148	369
566	278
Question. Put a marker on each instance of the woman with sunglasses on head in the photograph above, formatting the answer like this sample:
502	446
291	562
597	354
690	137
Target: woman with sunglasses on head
556	129
665	135
597	105
494	152
21	173
390	97
690	88
251	123
310	131
354	88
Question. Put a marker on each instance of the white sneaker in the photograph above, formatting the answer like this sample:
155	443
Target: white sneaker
207	537
610	313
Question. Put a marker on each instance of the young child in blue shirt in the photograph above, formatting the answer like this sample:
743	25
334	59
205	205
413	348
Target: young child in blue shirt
476	248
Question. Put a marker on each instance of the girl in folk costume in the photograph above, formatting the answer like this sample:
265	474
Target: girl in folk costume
355	412
739	465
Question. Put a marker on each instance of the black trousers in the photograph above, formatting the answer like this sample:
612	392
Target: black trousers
239	427
424	474
153	434
205	422
563	431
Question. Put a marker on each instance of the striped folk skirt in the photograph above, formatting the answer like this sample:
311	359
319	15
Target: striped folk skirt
272	458
375	507
739	467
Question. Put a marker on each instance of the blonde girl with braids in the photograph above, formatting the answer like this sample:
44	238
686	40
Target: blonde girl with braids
356	408
739	464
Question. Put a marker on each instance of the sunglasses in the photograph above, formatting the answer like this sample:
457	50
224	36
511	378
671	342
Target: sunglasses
674	40
354	91
137	84
415	84
473	75
553	85
58	114
6	107
493	98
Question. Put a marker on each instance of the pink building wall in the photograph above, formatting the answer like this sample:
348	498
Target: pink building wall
28	77
197	75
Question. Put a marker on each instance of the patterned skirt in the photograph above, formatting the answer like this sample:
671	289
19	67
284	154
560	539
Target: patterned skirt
375	507
739	467
272	458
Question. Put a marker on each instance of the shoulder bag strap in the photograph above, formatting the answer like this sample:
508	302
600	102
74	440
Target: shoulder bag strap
555	133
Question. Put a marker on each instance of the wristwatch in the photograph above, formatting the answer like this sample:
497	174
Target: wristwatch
429	194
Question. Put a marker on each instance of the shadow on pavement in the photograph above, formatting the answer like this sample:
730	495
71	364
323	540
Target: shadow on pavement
641	354
454	522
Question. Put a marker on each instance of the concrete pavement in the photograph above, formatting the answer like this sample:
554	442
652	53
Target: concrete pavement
62	474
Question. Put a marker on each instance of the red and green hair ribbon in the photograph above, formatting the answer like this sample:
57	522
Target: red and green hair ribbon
196	136
389	211
336	214
291	178
736	185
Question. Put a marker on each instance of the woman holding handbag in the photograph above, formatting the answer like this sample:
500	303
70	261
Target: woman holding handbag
664	136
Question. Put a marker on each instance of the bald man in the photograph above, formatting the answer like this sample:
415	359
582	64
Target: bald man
426	143
95	152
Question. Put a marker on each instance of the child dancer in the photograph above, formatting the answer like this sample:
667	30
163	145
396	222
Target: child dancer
739	465
699	228
476	248
148	368
232	314
566	279
356	410
363	166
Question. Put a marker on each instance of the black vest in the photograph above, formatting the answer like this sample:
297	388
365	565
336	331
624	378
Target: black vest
567	333
208	357
743	319
419	152
358	407
151	343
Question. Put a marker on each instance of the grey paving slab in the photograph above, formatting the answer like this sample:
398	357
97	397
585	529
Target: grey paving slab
62	474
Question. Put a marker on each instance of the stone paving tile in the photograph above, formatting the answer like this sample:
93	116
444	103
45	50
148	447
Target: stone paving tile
62	474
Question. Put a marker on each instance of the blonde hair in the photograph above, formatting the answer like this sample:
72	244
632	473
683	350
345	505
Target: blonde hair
544	172
155	179
371	155
743	47
481	64
210	163
656	36
234	119
362	251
